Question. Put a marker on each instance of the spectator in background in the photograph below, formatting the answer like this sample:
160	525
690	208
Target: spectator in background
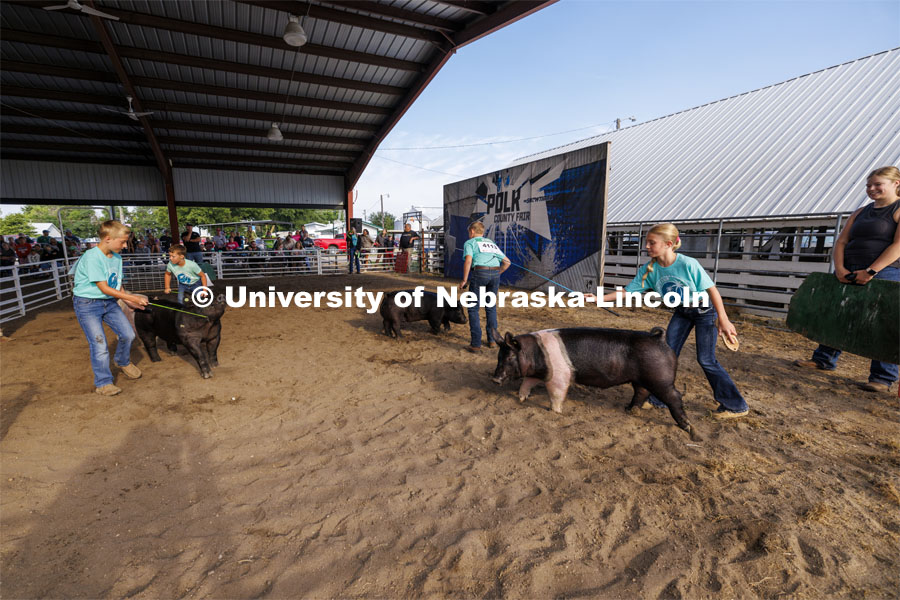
408	239
231	245
34	258
131	243
53	250
220	240
365	245
71	240
22	249
297	236
240	240
7	256
44	238
144	251
353	250
191	241
381	238
165	241
152	243
304	235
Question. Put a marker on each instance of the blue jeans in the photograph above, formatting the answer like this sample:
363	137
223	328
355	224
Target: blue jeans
704	320
351	258
91	315
489	280
186	288
197	257
879	372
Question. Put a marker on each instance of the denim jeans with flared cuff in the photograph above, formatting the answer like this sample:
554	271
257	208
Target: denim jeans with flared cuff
92	314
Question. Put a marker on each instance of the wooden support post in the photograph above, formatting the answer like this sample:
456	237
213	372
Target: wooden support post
170	206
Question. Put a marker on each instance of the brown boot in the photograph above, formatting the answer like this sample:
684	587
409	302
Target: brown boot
107	390
808	364
876	386
130	371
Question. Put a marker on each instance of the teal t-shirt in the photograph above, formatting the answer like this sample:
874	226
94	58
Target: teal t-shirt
484	252
94	266
187	274
685	272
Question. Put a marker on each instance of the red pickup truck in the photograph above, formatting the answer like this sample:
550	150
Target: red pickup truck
332	245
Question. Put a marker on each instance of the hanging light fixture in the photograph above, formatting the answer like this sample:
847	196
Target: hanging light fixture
293	32
274	133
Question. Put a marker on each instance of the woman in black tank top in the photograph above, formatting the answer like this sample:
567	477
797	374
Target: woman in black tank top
868	248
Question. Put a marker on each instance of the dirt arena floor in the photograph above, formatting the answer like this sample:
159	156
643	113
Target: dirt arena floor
326	460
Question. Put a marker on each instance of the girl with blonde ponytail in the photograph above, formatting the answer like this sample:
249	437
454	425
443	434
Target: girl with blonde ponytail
668	272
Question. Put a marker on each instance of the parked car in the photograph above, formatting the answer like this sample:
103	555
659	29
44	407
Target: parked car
331	245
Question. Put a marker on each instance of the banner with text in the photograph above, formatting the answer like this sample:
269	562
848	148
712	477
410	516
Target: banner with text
547	216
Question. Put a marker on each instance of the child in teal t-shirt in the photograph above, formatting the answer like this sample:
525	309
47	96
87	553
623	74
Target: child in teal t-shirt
98	285
187	273
670	272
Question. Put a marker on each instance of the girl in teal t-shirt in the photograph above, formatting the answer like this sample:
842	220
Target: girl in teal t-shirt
670	272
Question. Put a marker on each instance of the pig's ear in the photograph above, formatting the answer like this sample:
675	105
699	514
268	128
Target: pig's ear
511	341
496	335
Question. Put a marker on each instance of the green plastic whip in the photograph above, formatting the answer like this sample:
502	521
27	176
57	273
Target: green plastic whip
178	310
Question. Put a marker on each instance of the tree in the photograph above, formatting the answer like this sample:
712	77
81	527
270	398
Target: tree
82	221
384	220
15	224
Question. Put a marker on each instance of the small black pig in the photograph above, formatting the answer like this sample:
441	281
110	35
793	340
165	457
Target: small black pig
200	336
429	310
595	357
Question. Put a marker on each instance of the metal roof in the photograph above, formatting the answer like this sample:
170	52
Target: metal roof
217	73
799	147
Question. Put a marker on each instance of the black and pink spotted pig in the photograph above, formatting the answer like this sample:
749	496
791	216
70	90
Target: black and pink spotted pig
595	357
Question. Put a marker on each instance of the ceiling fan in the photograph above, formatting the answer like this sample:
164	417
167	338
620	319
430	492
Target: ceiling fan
130	112
77	6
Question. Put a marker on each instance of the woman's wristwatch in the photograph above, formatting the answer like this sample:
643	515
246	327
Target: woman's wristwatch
872	272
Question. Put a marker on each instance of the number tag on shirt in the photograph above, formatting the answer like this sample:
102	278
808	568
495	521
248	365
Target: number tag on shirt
488	247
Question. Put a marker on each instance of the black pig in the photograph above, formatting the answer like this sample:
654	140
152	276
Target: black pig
200	336
595	357
429	310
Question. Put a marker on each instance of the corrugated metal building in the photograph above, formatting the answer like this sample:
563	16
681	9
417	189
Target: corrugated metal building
800	147
758	184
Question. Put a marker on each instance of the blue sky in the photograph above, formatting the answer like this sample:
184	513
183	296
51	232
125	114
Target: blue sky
581	63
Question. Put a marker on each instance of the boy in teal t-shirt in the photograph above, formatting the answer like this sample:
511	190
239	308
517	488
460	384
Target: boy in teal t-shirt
98	284
187	273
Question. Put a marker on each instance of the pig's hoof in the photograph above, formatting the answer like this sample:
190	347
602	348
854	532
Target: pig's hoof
693	433
634	411
156	359
522	399
207	375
